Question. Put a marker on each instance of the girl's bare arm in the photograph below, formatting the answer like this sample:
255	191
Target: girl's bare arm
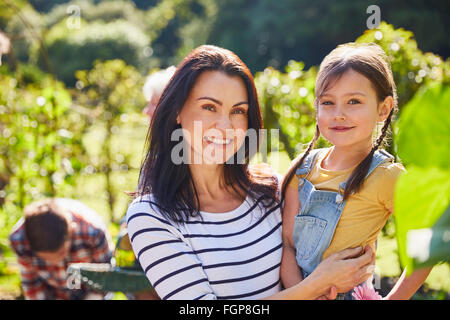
405	287
290	271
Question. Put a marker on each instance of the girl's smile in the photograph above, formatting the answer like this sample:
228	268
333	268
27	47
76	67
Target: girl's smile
341	128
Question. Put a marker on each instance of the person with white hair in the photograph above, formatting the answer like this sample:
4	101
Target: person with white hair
154	87
5	45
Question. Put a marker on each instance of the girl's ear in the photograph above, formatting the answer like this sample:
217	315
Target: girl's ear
385	108
178	119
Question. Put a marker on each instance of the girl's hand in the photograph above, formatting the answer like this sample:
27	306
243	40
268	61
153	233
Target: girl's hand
343	270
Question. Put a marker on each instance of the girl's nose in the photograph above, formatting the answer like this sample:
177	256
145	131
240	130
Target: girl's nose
339	114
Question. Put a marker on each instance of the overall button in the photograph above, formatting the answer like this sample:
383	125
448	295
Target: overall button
339	198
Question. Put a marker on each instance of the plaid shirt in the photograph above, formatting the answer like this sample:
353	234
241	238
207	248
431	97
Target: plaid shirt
43	280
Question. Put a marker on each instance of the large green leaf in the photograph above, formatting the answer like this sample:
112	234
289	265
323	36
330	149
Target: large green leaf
422	195
424	128
430	246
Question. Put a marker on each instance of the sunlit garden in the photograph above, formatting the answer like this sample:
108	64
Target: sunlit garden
71	105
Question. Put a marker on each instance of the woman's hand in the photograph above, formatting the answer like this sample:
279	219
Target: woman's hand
340	272
345	269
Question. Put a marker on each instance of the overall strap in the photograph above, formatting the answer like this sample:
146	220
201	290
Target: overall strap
380	156
308	163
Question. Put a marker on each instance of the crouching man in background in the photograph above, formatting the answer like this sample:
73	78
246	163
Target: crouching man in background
53	234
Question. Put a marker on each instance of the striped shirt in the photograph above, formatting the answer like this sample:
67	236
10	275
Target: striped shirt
231	255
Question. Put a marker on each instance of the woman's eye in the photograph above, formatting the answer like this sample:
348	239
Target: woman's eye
239	111
326	103
354	101
209	107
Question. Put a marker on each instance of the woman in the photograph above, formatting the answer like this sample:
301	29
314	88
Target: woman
203	226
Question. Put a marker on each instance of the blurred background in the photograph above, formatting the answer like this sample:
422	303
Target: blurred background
72	73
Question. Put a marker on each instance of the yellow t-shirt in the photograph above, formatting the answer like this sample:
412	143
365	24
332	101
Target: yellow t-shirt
365	212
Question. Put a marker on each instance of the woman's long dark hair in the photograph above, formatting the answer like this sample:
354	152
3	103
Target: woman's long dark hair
371	61
171	184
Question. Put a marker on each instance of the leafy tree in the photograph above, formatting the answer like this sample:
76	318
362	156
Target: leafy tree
412	68
106	11
24	28
76	49
270	33
44	5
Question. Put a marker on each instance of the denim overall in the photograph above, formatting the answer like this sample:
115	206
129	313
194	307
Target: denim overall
319	214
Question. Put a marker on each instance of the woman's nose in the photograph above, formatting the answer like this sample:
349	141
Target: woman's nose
224	123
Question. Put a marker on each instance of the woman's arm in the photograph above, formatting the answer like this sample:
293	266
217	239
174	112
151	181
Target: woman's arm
339	270
289	270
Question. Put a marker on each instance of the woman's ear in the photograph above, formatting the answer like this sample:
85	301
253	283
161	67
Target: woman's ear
385	108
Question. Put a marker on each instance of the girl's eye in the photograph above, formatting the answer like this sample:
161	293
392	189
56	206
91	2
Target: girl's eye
326	103
209	107
354	101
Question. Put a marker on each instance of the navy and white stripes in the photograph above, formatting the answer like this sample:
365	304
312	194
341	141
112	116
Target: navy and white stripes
232	255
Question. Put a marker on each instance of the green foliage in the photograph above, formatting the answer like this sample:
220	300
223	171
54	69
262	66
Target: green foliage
45	5
287	103
105	11
113	86
253	29
72	49
40	145
270	33
110	92
176	27
423	128
8	9
107	30
197	27
411	67
24	28
422	197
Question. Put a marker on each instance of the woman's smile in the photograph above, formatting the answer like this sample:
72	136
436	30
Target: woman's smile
217	141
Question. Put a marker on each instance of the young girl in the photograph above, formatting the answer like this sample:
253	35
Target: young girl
341	197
